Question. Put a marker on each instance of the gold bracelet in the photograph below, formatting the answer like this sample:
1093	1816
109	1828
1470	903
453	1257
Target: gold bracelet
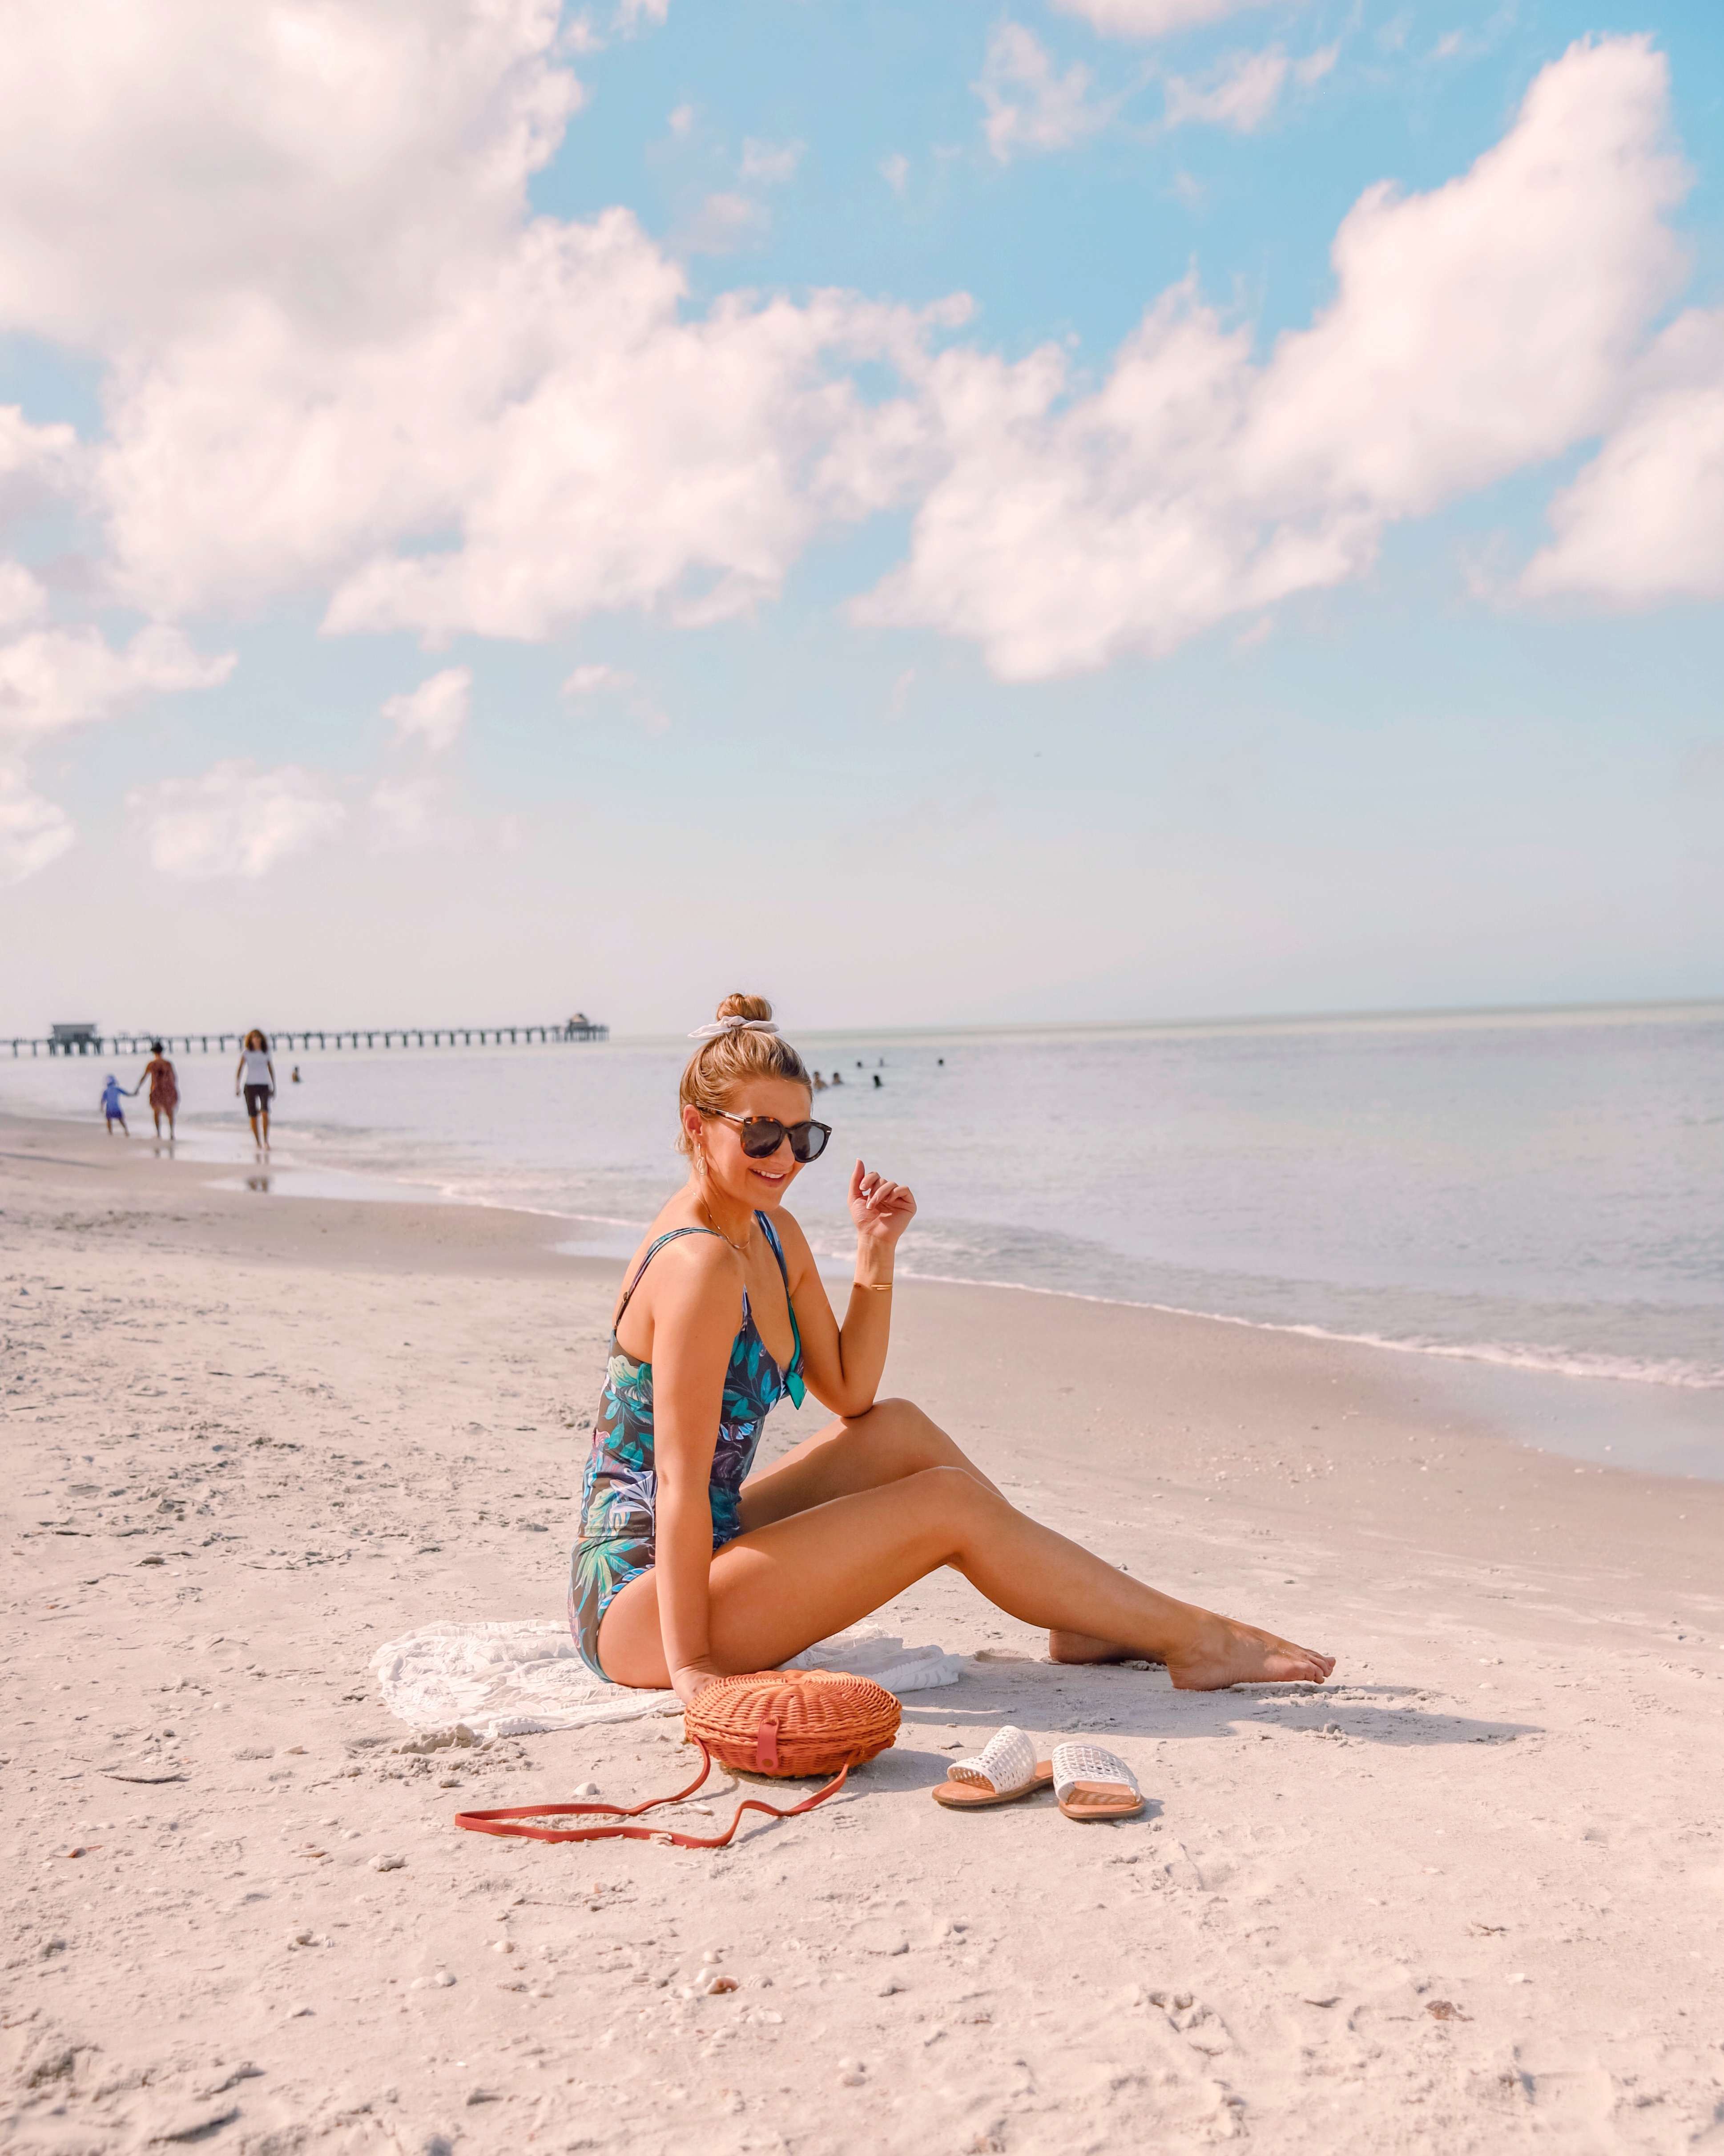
869	1287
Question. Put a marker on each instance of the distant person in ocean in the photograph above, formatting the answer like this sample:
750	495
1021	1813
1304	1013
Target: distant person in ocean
164	1089
878	1080
293	1075
113	1094
256	1073
837	1078
688	1566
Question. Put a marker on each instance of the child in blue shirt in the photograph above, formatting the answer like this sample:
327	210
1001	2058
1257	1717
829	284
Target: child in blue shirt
113	1093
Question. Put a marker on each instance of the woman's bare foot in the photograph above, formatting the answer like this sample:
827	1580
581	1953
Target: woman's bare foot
1080	1647
1224	1652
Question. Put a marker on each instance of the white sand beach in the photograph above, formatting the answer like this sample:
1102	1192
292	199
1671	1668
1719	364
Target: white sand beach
1468	1896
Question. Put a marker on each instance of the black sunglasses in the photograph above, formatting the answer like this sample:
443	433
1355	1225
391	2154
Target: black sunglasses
763	1134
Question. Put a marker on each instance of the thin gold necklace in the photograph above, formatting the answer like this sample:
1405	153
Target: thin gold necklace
718	1231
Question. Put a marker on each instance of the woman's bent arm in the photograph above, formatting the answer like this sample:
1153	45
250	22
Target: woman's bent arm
697	1309
844	1365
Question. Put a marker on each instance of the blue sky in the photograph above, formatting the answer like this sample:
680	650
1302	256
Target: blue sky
749	613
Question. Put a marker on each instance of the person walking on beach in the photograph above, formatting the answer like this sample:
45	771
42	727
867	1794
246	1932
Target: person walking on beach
113	1094
164	1089
689	1567
257	1074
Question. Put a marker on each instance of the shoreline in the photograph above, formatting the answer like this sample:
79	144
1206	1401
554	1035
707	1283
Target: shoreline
1457	1900
1573	1413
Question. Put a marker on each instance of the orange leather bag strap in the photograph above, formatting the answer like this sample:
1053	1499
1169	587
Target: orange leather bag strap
512	1819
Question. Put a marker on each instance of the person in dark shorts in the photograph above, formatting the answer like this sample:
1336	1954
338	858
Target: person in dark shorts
256	1074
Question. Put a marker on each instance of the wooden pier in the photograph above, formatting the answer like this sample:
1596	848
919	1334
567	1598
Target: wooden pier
297	1040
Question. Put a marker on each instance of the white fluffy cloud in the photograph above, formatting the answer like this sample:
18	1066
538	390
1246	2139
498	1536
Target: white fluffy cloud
235	820
1029	105
33	832
588	680
435	711
1644	520
37	464
1475	330
412	815
345	357
1244	89
1241	94
772	164
24	600
169	166
55	678
52	679
1151	18
599	680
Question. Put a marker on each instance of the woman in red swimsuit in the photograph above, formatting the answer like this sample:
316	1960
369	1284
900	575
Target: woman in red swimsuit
164	1089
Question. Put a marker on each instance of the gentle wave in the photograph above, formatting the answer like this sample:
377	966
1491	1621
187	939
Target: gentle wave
1550	1362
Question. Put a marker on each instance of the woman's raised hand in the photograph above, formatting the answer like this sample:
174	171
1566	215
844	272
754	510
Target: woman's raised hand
881	1210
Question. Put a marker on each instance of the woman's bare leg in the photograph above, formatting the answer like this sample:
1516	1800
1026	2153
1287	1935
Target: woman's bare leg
855	1453
860	1452
779	1588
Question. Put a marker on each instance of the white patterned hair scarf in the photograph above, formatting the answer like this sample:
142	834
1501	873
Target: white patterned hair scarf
721	1026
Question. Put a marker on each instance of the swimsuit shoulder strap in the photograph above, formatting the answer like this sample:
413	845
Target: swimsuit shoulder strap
670	1237
771	1235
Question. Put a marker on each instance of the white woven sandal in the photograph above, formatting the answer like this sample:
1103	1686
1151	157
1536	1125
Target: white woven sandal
1092	1784
1005	1769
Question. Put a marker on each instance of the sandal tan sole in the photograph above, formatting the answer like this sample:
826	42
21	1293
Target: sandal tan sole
1099	1800
965	1797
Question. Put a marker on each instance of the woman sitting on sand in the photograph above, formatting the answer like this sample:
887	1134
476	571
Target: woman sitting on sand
688	1567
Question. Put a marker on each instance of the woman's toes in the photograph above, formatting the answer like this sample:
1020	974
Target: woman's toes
1230	1654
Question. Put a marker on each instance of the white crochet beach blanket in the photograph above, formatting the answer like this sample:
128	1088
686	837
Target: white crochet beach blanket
517	1679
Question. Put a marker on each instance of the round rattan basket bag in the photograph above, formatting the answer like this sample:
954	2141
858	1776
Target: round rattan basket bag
781	1722
793	1722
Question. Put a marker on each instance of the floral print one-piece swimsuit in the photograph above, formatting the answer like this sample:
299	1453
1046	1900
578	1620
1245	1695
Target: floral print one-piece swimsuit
620	1491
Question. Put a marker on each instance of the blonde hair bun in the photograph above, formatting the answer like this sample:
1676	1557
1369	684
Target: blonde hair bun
741	1042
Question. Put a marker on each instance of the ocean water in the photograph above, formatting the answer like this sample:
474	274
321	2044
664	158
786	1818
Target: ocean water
1539	1195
